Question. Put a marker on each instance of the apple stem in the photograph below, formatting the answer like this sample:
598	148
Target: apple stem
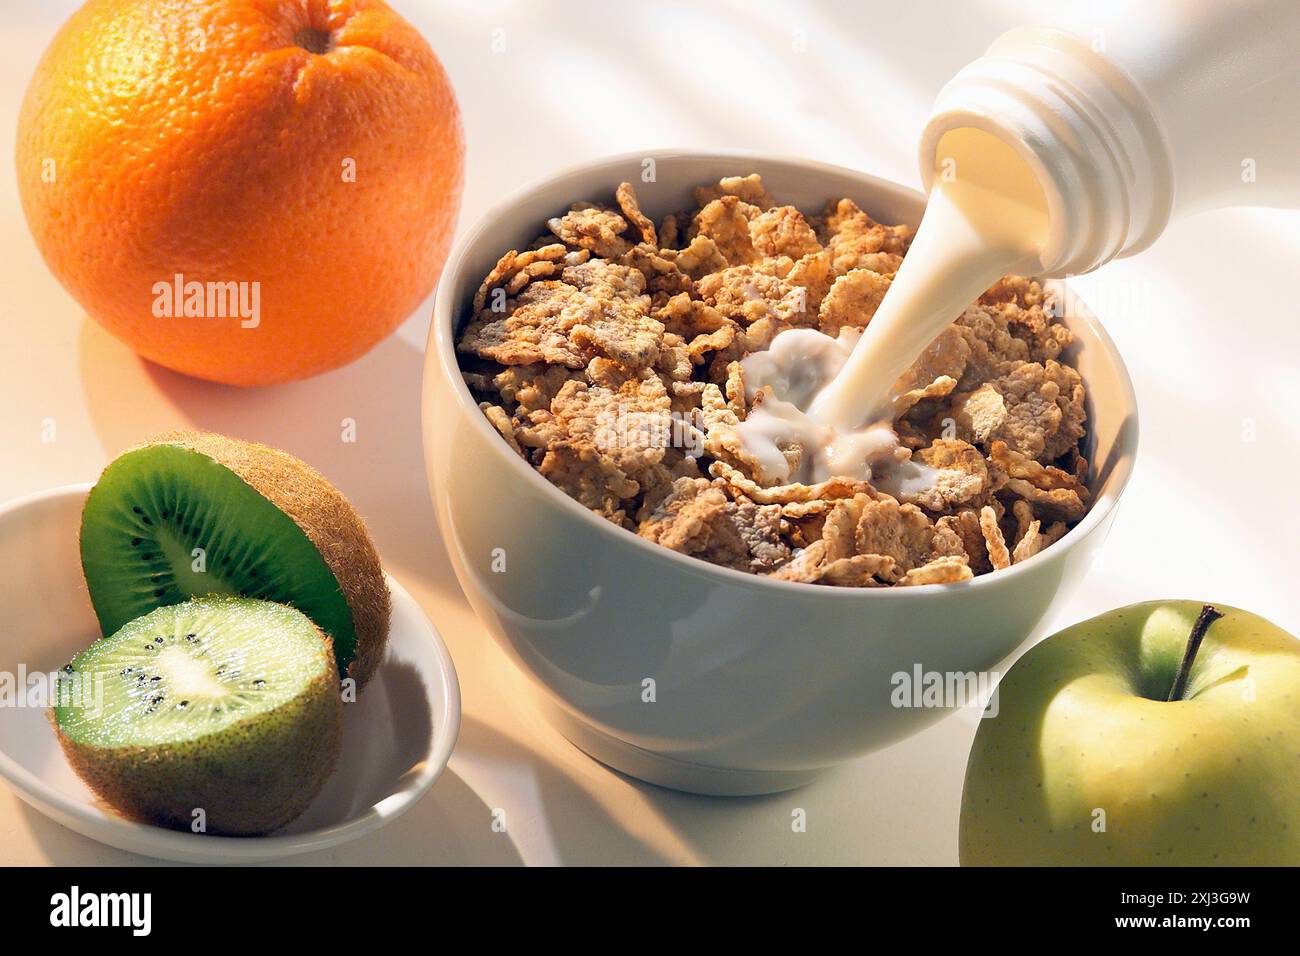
1209	614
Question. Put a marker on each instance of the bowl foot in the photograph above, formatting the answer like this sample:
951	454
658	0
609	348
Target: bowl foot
667	771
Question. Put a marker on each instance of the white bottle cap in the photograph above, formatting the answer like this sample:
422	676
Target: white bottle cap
1084	128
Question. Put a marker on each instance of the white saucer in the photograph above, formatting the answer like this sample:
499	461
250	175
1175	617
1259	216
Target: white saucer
396	741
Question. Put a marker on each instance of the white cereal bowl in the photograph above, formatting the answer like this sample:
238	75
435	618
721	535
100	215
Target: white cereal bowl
757	684
397	737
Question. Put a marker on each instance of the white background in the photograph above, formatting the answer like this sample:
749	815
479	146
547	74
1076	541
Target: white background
1207	321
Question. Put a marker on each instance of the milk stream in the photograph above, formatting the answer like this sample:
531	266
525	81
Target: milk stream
833	398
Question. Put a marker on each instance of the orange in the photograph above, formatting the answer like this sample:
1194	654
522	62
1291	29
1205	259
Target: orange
291	168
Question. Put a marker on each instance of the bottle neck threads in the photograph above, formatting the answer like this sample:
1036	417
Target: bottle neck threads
1085	130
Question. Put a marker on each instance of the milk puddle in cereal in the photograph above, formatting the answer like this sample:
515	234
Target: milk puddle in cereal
835	398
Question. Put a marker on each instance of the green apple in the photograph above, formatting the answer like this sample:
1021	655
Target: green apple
1088	760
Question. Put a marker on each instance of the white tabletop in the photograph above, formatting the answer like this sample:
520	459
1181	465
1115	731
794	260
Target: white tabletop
1205	320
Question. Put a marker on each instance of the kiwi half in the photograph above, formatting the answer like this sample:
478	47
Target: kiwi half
225	705
191	513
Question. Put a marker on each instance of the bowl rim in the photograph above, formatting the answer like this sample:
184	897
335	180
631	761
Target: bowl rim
149	840
441	343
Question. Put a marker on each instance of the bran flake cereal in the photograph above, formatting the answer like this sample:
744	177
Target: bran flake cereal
607	355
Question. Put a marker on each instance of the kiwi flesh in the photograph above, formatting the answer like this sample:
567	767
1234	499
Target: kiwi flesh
226	705
191	513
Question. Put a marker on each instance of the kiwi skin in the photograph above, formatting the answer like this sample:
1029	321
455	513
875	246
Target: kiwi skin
325	516
263	773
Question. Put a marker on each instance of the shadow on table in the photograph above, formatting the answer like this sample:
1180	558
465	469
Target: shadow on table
592	815
750	830
574	827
